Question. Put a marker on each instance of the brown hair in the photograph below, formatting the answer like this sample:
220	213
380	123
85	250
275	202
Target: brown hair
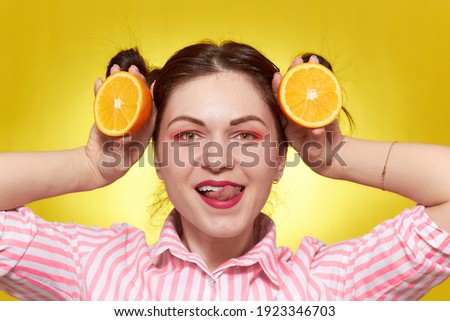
207	58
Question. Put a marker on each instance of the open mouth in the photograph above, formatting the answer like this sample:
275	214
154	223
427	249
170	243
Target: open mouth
222	193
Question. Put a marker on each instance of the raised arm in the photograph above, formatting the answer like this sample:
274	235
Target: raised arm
31	176
419	172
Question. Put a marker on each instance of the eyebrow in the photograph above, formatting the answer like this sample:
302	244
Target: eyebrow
188	119
245	119
234	122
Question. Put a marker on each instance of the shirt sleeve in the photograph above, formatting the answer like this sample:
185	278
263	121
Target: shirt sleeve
42	260
400	259
38	260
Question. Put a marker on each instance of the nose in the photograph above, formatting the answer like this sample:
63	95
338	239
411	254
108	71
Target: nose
217	156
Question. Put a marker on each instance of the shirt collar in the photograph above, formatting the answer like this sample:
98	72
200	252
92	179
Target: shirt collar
263	253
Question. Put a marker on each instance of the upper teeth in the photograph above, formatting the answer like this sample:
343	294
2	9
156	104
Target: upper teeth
208	188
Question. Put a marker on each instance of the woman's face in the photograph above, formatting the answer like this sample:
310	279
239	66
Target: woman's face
218	154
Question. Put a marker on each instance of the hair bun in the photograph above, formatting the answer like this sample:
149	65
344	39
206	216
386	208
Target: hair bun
126	58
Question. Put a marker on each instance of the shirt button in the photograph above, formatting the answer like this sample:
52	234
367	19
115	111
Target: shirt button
211	281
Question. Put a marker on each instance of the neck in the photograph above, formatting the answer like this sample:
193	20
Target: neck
215	251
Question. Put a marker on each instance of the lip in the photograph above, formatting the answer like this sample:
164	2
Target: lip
216	184
216	203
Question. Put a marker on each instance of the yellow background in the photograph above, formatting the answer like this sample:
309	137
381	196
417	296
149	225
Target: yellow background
390	56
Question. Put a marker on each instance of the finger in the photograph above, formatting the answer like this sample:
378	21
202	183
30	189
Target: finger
333	126
97	85
115	68
317	135
334	129
297	61
317	140
276	80
154	111
314	59
135	71
142	137
145	133
317	132
152	86
125	139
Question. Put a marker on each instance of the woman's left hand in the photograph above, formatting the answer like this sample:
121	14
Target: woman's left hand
318	147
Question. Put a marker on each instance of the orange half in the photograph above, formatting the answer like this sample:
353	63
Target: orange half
310	95
122	105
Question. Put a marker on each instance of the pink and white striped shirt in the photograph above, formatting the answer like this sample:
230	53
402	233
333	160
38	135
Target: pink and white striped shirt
400	259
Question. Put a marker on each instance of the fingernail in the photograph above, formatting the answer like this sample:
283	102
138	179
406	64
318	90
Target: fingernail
314	58
317	131
97	85
298	59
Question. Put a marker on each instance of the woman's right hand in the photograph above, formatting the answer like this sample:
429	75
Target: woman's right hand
109	158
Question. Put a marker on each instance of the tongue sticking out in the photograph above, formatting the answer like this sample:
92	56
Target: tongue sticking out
224	194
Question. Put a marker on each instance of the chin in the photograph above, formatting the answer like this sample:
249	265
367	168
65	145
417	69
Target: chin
228	228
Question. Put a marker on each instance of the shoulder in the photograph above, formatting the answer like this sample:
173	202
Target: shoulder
29	224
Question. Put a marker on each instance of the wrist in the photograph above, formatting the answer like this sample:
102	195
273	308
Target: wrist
342	164
90	177
334	161
363	162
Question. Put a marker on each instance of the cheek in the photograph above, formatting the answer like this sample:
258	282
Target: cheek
263	156
173	162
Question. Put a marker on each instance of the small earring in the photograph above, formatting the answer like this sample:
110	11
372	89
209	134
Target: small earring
275	181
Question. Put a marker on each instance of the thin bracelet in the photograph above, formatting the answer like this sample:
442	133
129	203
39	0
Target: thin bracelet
383	173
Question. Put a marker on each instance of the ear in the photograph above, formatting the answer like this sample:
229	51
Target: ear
281	164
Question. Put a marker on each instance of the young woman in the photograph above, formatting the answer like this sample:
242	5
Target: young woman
220	143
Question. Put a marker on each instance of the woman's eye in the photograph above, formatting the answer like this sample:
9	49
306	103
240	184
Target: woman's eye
246	136
187	136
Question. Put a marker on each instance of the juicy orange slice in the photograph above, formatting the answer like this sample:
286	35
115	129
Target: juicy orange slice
122	105
310	95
